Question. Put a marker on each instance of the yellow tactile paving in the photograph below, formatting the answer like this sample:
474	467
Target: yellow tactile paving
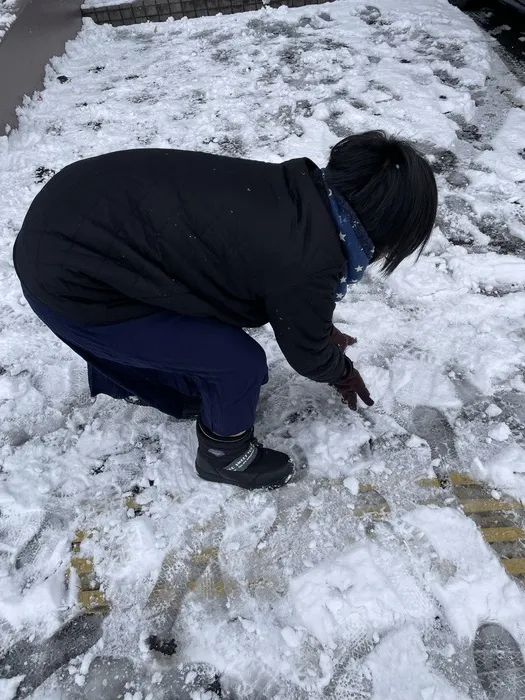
454	478
80	536
376	509
486	505
503	534
479	506
94	602
130	502
514	566
82	565
205	555
89	596
213	589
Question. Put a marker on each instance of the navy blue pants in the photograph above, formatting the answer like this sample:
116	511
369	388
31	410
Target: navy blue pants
165	357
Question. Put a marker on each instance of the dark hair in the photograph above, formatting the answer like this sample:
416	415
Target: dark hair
392	189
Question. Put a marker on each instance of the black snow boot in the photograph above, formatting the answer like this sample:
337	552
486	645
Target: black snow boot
240	461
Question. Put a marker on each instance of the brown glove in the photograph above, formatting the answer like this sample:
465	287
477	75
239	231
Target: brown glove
351	386
341	339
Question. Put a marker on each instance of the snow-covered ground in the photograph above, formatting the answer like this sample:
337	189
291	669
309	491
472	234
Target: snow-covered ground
293	593
7	15
104	3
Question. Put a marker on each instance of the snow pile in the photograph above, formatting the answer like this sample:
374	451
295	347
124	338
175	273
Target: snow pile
296	593
7	15
88	4
506	469
520	96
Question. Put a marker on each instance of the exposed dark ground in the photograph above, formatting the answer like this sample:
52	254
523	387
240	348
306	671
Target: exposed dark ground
507	26
40	31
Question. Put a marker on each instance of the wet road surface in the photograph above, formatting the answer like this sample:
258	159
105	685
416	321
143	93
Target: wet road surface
507	27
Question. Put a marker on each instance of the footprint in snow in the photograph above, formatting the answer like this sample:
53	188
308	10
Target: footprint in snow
499	663
371	15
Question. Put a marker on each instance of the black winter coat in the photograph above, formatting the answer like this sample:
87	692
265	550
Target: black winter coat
121	235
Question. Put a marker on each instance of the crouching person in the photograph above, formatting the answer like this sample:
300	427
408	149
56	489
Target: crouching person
150	263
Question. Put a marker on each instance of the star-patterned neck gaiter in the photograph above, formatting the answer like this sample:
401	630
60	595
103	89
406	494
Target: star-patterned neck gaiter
357	246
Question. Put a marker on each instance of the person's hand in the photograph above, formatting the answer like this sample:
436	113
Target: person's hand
342	340
351	386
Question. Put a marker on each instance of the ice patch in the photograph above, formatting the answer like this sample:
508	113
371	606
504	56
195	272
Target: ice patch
492	410
352	484
500	432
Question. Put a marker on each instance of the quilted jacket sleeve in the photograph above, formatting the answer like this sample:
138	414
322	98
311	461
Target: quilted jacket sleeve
301	317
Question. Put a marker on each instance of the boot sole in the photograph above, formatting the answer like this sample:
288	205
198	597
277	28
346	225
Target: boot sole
222	480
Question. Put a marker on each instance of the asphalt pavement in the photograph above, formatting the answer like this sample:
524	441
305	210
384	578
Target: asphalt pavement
41	31
507	26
